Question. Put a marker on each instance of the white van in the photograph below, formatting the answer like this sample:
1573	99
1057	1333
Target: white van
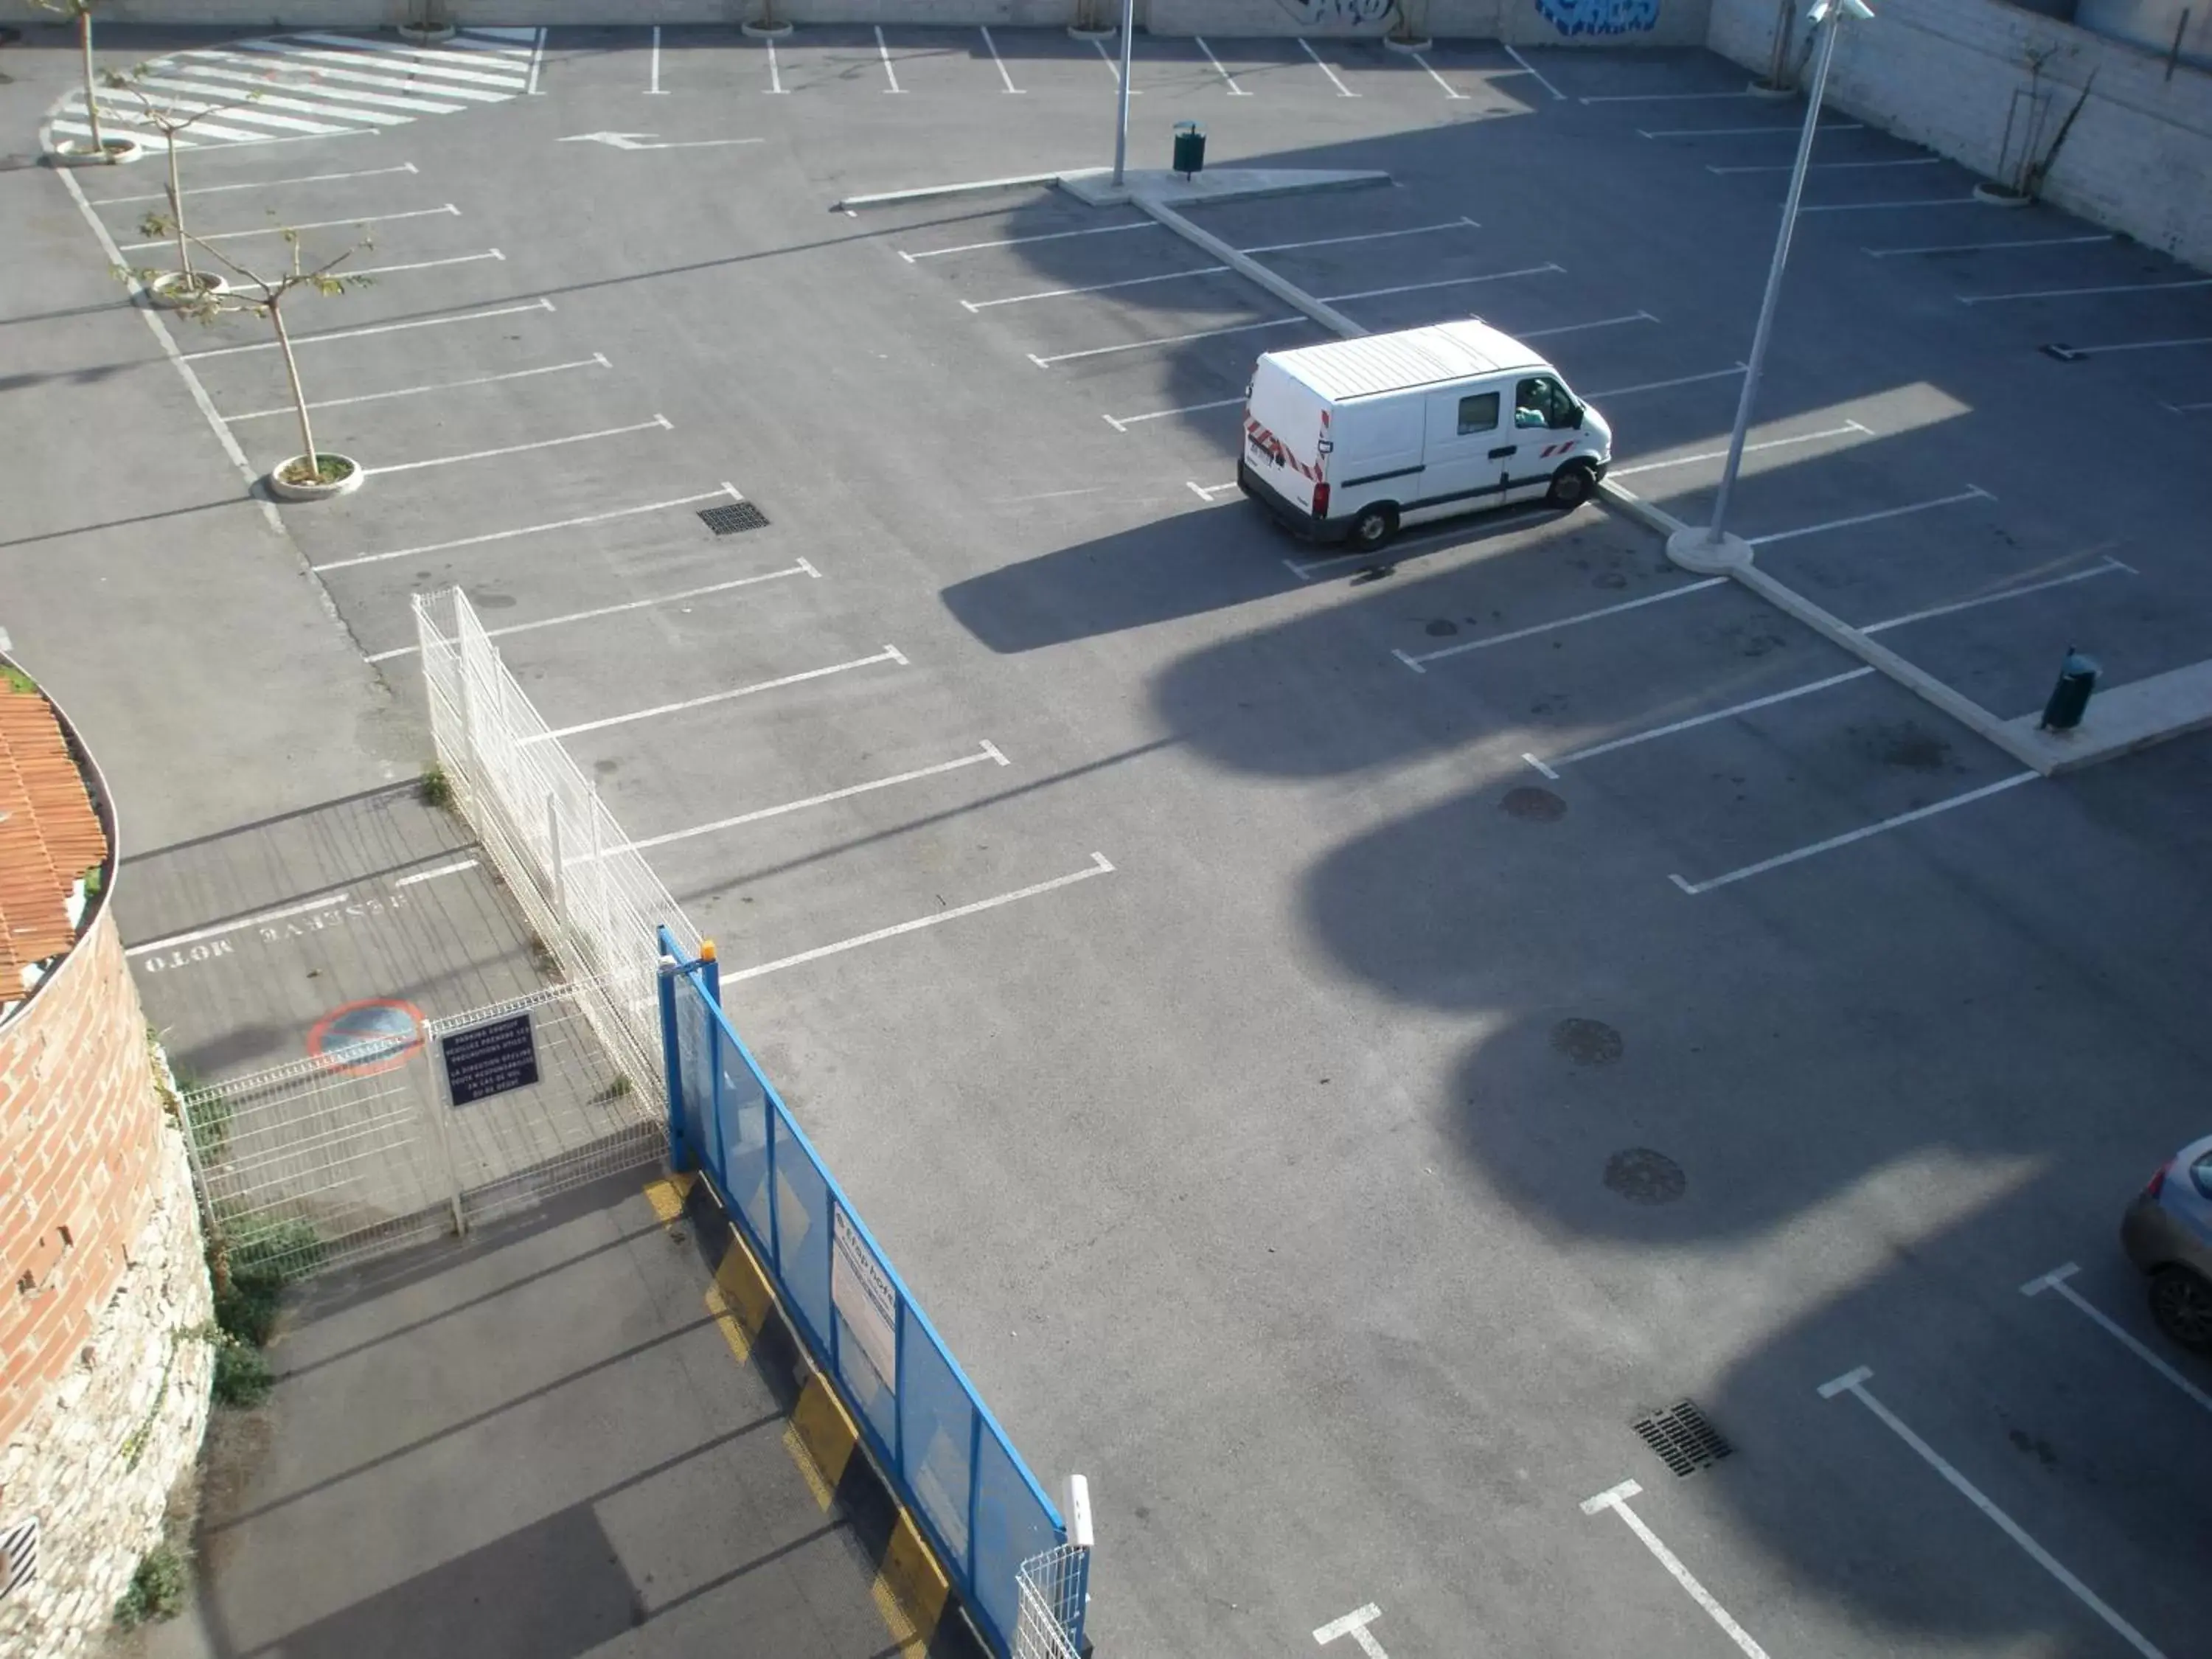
1353	439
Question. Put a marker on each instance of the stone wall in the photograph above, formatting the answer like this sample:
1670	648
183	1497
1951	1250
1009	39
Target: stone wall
1949	74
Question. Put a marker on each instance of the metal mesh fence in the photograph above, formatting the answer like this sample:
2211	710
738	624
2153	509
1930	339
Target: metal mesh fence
594	902
1050	1590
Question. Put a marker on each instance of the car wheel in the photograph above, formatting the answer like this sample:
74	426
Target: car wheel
1374	525
1571	485
2181	1302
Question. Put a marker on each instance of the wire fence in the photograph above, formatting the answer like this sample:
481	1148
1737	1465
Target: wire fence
1051	1590
594	901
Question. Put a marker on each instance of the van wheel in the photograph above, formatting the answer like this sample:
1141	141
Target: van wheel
1571	485
1374	525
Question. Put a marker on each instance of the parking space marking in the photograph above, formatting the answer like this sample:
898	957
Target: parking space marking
1661	385
1123	422
222	78
2056	1281
1099	866
1742	132
775	71
1971	493
1694	888
1530	69
1400	546
1844	430
991	46
884	51
2188	409
1418	662
258	113
1354	1625
1577	328
262	184
1227	79
1784	167
525	529
1022	241
595	361
422	876
1460	223
1449	282
359	68
1164	340
1114	68
1664	97
2109	568
1854	1383
1616	1499
321	903
1450	90
537	58
376	328
1980	247
2137	345
1878	207
889	654
1629	742
1342	91
652	82
801	569
975	306
2077	293
658	422
1207	492
429	264
988	751
284	230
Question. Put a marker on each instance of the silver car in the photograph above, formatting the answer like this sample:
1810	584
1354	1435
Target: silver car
2167	1232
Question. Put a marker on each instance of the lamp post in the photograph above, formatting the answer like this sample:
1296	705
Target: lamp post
1121	120
1712	548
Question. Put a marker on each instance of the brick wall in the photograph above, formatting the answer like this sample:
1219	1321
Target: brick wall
1945	73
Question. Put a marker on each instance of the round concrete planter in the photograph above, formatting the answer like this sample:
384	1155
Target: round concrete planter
1759	88
2001	196
428	34
79	152
1106	33
765	31
171	291
286	490
1392	43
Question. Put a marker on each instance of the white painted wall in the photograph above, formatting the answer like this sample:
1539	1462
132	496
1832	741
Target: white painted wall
1945	73
2152	25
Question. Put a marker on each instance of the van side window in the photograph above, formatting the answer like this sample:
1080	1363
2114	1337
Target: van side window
1477	413
1542	401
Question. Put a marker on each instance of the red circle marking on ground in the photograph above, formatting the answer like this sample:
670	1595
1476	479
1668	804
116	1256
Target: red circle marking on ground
389	1049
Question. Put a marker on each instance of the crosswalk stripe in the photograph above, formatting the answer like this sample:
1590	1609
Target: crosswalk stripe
430	62
152	140
242	113
248	72
335	60
244	107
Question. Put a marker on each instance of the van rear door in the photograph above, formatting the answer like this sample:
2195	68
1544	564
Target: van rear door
1284	428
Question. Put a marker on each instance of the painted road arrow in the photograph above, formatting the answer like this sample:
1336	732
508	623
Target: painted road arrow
638	141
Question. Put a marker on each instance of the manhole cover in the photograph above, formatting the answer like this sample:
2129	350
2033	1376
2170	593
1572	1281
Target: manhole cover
1587	1041
1537	805
728	520
1685	1442
1644	1176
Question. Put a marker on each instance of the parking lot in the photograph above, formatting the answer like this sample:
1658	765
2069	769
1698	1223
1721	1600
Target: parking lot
1334	1039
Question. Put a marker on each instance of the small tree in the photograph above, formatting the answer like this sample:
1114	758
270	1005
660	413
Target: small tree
82	10
261	295
169	120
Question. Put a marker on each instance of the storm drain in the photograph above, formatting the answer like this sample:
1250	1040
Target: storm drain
1685	1442
728	520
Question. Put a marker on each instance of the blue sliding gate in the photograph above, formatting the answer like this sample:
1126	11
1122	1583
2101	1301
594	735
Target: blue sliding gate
952	1466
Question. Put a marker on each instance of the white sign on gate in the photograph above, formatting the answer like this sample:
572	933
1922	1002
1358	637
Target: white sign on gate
861	1290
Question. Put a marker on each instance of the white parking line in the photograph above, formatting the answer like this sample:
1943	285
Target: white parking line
1661	385
218	930
991	46
428	264
1830	845
2056	1281
1530	69
2077	293
1617	1501
775	71
1207	492
1114	67
526	529
378	328
537	58
1022	241
1354	1625
1450	90
264	184
1979	247
1342	91
1099	866
1664	97
1170	339
2138	345
1854	1383
595	361
973	305
884	51
1460	223
1227	79
1971	493
1577	328
1742	132
658	422
988	752
2109	566
889	653
801	569
1449	282
1844	430
1122	424
422	876
1872	207
1416	661
1784	167
321	224
1694	722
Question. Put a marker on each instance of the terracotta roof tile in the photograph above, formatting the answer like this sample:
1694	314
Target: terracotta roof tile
50	834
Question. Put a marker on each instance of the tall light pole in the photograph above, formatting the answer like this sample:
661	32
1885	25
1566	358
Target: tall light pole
1708	548
1122	123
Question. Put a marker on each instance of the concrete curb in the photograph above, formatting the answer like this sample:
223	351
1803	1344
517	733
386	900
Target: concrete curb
1250	269
972	187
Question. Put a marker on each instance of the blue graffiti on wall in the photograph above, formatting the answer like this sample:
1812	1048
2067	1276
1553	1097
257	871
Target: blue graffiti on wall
1600	16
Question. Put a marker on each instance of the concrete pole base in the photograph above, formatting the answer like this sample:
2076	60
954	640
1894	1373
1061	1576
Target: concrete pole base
1693	548
1409	46
1759	88
765	31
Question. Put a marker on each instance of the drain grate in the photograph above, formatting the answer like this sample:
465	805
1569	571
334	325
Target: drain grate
1685	1442
728	520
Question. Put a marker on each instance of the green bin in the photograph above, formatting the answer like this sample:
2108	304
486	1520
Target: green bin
1189	148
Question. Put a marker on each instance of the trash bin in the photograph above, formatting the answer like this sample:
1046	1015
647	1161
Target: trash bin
2077	677
1189	148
